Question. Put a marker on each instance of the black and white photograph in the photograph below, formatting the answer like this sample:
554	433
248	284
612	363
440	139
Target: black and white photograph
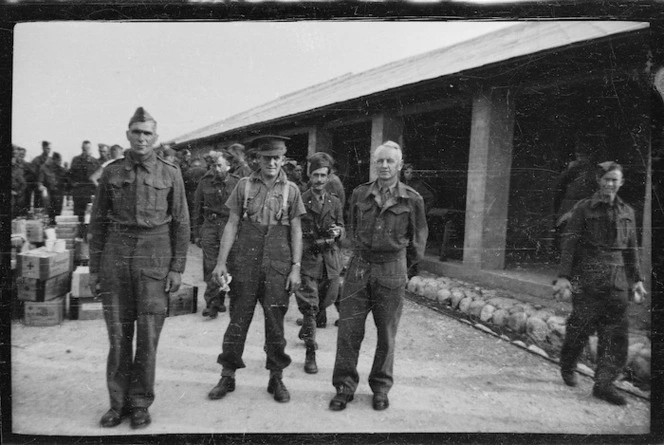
331	227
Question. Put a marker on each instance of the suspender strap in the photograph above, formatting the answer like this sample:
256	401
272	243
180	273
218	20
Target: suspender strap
247	190
284	203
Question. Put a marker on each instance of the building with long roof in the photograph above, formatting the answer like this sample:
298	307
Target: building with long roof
489	124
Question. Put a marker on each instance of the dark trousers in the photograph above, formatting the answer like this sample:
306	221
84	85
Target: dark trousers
313	297
133	274
82	195
260	267
379	289
211	232
603	311
54	205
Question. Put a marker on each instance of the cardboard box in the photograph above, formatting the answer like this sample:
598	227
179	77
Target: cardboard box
33	289
89	308
34	230
80	283
41	264
45	313
184	301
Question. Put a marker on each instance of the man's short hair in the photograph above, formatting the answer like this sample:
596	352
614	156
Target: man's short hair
85	142
607	166
45	144
56	155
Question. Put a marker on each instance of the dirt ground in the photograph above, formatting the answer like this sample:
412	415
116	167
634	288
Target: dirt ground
449	377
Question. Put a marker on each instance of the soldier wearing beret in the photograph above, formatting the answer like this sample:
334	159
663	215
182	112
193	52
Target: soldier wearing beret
210	217
82	168
263	236
386	225
599	255
322	230
139	234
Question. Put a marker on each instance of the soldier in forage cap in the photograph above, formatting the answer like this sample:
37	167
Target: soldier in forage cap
262	242
322	231
600	255
139	234
82	169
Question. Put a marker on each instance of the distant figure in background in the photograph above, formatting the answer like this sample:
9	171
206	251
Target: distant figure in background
253	159
600	255
104	153
210	217
239	166
294	172
169	155
184	160
18	182
82	168
577	182
420	187
54	179
35	167
191	178
116	152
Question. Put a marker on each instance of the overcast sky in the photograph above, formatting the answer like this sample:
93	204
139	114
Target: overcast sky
83	80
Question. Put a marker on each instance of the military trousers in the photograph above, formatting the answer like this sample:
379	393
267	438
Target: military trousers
313	297
82	195
211	232
604	311
377	288
260	266
134	267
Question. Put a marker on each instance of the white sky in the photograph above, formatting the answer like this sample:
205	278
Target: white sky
83	80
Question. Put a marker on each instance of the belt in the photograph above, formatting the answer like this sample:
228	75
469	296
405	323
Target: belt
115	227
381	257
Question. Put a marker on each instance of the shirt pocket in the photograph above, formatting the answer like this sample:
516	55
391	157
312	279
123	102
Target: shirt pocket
120	191
397	219
624	228
157	190
596	229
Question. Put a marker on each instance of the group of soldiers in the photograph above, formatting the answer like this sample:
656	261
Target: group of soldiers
265	240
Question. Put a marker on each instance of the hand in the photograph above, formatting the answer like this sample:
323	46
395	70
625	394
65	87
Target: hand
220	274
336	231
93	281
562	289
294	281
638	292
197	241
173	281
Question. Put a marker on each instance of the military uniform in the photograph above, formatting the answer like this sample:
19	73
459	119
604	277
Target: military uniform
55	178
599	254
210	217
139	233
260	261
82	167
321	260
385	231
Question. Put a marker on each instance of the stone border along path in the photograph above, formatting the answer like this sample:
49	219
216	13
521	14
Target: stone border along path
517	322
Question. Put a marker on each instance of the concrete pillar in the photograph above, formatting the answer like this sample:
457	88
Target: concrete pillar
489	165
384	127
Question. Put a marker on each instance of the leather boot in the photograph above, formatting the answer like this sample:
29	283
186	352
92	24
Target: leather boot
310	366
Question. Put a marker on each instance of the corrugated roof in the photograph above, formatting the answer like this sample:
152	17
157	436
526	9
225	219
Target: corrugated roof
498	46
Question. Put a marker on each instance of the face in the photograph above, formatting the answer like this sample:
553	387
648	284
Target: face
116	152
57	160
86	148
47	149
297	173
270	165
319	178
408	174
20	154
103	152
610	183
220	166
387	162
142	136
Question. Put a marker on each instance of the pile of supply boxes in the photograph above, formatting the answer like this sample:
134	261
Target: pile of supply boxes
50	271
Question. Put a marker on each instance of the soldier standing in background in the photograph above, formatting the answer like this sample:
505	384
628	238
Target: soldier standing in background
387	224
33	177
104	153
599	255
322	230
138	248
239	166
265	211
191	179
210	217
82	168
54	179
18	181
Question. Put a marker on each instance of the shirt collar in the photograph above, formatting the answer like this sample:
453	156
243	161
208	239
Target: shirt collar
148	163
397	190
598	199
256	176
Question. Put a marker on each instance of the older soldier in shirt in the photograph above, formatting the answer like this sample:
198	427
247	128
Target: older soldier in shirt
387	224
599	255
139	237
265	211
210	216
